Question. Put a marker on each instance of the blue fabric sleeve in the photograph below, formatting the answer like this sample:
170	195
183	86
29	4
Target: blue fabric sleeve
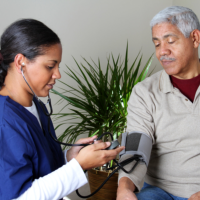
16	168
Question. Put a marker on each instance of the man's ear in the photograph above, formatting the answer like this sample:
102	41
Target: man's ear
19	62
195	35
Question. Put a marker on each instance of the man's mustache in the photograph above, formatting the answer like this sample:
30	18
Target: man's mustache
166	58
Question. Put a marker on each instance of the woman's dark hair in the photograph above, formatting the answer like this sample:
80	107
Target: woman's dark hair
28	37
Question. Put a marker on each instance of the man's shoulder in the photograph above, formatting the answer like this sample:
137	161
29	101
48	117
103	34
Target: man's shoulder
150	83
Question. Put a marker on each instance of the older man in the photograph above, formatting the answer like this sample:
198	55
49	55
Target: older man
166	107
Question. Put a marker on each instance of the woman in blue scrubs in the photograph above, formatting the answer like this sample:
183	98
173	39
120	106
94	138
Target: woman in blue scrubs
32	165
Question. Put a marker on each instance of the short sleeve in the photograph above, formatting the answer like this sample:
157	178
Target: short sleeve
16	170
140	112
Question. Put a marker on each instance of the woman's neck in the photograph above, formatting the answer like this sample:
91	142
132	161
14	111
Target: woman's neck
17	94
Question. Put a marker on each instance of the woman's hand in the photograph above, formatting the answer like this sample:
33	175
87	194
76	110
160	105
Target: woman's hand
94	155
73	151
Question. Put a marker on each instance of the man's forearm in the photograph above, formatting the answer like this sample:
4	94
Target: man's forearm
125	189
126	183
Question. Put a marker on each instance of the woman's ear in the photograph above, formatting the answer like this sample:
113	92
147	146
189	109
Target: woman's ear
19	62
195	34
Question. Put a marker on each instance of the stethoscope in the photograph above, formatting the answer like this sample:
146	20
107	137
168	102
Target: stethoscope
48	114
116	167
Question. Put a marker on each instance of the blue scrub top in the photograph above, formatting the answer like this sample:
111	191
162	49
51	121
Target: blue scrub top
26	151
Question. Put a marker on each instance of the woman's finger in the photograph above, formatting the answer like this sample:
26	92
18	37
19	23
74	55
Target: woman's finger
97	141
100	146
114	152
86	140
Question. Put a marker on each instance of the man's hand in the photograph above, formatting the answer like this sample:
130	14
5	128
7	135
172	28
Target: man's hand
125	189
195	196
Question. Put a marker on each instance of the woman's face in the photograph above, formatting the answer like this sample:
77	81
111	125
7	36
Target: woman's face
42	73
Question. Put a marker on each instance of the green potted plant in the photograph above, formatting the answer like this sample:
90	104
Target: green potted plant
99	104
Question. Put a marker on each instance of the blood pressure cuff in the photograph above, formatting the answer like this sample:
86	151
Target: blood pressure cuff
137	144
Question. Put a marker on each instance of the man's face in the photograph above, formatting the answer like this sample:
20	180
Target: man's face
175	52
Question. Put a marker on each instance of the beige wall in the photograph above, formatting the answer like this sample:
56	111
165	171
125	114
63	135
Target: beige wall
93	29
192	4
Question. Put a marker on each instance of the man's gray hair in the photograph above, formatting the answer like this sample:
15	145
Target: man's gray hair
184	18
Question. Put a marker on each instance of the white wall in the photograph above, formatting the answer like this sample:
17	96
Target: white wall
92	29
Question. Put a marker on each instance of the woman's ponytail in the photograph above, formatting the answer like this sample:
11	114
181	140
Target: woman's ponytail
3	71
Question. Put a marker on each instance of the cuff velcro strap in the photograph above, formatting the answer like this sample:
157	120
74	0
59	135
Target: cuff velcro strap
137	143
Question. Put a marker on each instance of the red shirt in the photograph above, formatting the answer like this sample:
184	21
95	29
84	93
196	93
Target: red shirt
188	87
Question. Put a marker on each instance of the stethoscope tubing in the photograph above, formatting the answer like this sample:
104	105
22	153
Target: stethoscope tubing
116	167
